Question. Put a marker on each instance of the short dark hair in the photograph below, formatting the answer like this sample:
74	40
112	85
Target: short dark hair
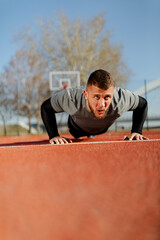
101	78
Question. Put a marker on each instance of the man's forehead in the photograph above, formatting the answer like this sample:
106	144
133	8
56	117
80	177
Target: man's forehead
95	89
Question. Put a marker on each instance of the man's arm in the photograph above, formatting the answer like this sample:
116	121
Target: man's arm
139	116
49	120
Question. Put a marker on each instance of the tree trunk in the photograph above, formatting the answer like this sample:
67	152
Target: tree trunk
38	124
29	123
4	126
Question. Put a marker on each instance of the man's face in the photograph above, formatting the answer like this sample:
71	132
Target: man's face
98	100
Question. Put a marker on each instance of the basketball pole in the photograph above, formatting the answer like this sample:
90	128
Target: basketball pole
145	85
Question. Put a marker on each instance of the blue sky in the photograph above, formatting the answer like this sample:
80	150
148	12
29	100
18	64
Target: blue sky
135	25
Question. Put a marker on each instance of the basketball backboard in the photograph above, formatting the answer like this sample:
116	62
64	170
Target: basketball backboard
63	79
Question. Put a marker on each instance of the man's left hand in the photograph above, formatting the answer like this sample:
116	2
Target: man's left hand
135	136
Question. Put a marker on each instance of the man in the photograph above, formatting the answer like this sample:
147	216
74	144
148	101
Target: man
94	110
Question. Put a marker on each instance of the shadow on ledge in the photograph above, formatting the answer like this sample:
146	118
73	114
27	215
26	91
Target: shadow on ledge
30	143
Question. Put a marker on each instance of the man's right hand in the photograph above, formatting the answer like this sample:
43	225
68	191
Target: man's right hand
60	140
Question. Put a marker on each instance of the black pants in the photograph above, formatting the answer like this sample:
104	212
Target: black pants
78	132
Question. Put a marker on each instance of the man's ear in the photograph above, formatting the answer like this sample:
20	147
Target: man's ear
86	94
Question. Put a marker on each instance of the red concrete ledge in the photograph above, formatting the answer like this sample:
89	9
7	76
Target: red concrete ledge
80	191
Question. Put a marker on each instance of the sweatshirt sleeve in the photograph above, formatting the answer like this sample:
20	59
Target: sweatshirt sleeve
64	101
49	119
139	116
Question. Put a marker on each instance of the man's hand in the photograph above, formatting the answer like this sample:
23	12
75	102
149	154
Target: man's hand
135	136
60	140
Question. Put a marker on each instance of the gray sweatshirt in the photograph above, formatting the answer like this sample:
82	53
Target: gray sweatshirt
73	102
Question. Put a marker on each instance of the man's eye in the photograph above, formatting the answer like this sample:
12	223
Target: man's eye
107	97
96	97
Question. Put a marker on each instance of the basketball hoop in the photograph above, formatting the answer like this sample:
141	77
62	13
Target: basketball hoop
59	80
64	85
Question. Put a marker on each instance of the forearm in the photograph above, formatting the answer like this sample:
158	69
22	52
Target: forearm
49	119
139	116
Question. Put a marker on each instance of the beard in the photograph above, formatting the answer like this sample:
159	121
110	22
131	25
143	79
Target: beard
95	112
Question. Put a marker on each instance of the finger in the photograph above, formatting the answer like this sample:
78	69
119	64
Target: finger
126	138
64	141
145	138
51	141
141	138
137	137
67	140
56	141
60	141
131	138
134	137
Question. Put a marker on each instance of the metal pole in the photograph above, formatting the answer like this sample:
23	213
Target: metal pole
17	88
145	85
115	126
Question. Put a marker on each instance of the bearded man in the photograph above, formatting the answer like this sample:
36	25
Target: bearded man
94	110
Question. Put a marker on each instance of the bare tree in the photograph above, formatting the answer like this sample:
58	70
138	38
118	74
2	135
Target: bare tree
5	106
83	46
25	75
61	44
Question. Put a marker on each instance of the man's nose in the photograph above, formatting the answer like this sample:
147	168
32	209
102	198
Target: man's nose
101	103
